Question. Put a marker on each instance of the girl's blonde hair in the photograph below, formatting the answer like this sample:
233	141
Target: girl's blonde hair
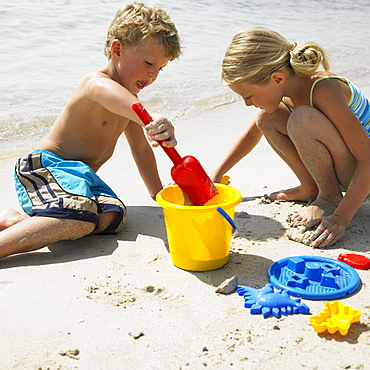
254	54
136	22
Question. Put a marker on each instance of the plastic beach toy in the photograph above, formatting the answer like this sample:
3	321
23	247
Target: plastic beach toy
316	278
187	172
227	218
199	237
357	261
335	317
266	301
225	180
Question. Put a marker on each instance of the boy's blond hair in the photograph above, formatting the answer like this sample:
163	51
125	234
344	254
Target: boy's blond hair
254	54
136	22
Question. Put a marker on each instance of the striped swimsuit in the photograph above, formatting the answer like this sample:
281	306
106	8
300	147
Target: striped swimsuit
358	103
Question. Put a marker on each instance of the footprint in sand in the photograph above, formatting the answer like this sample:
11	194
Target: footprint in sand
112	292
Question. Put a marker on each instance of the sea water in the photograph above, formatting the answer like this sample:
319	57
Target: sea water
47	46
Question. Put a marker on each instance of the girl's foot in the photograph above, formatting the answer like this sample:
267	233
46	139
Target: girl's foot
298	193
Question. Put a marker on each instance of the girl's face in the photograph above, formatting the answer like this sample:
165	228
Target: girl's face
266	97
139	66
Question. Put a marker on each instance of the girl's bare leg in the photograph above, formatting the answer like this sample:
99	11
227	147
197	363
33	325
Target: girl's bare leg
274	128
326	157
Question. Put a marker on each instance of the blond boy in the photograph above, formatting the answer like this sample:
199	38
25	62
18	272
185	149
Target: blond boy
57	184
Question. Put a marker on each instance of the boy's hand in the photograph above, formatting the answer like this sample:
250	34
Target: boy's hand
160	129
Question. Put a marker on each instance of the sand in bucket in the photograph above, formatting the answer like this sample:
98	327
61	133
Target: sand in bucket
199	236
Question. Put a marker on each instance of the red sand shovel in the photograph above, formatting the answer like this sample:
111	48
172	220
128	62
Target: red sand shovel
187	172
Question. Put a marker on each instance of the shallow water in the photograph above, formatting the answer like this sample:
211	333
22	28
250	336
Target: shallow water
48	46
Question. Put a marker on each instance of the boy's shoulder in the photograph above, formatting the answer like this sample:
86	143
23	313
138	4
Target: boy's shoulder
96	75
93	82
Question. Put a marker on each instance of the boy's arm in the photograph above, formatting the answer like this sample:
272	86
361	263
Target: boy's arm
144	158
246	142
118	100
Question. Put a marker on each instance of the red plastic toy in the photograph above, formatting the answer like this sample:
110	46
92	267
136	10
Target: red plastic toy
187	172
357	261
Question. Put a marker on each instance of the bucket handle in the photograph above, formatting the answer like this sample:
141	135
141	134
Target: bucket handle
227	218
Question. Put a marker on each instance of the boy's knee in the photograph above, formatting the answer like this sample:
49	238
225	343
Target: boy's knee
120	226
111	222
80	229
117	223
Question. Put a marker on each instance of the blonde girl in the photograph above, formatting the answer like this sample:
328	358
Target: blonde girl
317	122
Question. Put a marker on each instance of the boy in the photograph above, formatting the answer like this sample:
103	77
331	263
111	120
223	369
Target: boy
57	185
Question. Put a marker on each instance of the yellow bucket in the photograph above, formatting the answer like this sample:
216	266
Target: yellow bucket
198	236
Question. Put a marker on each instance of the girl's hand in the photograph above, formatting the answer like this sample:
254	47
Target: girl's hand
329	231
160	129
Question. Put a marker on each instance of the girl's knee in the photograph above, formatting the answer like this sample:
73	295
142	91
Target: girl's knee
272	121
262	120
266	122
304	118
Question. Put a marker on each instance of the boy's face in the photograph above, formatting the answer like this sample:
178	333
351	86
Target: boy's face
139	66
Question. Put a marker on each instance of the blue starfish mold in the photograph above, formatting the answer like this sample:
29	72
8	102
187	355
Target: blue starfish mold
266	301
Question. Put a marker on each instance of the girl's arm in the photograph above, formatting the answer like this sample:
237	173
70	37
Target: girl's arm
144	158
246	142
333	104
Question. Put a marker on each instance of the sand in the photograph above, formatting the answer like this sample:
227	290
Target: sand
118	302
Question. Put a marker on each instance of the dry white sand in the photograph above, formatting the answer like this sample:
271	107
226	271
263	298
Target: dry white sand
117	302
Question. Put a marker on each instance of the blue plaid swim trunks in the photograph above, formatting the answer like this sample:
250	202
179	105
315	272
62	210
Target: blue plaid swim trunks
50	186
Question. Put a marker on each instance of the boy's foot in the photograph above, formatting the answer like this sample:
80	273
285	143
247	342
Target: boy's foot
10	217
297	193
319	208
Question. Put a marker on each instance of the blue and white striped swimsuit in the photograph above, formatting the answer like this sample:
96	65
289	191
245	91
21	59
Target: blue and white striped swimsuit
358	103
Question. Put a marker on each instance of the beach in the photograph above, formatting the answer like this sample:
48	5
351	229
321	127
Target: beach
118	302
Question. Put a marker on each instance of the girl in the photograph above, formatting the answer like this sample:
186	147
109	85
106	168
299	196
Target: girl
317	122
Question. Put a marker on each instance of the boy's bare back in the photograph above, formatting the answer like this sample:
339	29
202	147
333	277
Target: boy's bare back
85	130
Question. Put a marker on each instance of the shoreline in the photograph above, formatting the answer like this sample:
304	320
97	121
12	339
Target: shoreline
118	302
